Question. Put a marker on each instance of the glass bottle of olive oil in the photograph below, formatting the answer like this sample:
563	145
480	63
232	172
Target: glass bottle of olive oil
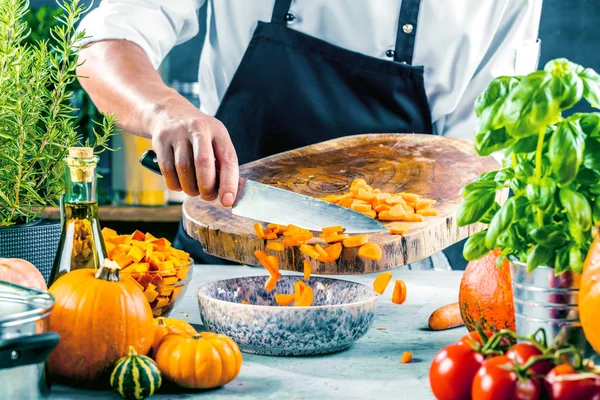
81	243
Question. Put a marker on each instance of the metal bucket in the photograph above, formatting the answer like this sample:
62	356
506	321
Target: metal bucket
545	300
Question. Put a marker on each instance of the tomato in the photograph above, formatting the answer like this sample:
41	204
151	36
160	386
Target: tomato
494	382
452	371
522	352
474	336
564	383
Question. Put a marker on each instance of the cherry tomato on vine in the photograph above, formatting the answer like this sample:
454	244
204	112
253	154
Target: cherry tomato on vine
496	381
474	336
522	352
564	383
452	371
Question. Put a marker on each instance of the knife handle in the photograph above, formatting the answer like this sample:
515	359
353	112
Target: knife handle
149	160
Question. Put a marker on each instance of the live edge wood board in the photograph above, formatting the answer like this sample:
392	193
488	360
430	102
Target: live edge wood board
431	166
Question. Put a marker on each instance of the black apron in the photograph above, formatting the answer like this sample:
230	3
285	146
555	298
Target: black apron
292	90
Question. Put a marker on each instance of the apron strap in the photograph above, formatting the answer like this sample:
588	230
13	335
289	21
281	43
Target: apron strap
407	30
280	10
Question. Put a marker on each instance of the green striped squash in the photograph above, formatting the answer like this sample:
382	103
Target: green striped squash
135	376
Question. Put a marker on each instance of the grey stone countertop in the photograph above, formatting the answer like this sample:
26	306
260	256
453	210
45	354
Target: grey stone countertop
370	369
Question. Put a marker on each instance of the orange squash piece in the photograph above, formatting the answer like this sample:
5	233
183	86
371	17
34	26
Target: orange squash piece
407	357
410	197
381	282
386	216
399	295
361	207
424	203
397	210
307	270
399	228
298	289
271	282
335	237
356	241
275	246
382	207
320	250
412	218
306	298
260	232
370	251
284	299
332	229
261	255
333	253
428	212
269	234
108	233
245	302
309	251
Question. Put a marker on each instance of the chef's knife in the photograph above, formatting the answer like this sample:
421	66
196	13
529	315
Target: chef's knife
266	203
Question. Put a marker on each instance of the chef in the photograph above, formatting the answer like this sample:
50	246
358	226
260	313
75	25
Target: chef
280	74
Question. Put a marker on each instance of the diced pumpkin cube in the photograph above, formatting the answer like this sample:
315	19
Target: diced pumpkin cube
150	286
146	279
138	284
164	291
428	212
137	235
141	245
122	259
412	218
154	263
161	242
121	239
157	312
334	238
136	254
177	290
399	228
160	255
149	237
168	280
397	210
166	265
180	254
108	233
410	197
142	268
183	273
151	294
162	301
109	248
332	229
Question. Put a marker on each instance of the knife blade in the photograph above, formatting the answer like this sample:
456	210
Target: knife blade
273	205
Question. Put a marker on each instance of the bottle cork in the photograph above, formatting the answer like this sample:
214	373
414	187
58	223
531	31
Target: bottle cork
81	152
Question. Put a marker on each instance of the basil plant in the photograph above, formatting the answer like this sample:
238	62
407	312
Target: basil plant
551	165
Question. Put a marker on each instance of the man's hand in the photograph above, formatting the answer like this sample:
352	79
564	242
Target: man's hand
191	146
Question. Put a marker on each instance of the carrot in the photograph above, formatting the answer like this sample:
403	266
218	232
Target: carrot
428	212
306	298
284	299
260	233
333	253
307	270
277	228
399	228
269	234
309	251
370	251
292	242
399	295
381	282
275	246
271	282
407	357
332	229
356	241
445	317
335	237
320	250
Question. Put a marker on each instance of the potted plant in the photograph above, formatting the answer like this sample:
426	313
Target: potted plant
37	126
551	165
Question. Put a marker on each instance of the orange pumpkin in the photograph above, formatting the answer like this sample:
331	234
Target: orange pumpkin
486	295
21	272
166	326
98	317
207	360
589	295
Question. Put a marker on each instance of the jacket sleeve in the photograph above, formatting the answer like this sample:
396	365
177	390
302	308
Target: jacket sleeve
154	25
514	50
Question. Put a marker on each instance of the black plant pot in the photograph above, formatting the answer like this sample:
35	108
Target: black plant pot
36	242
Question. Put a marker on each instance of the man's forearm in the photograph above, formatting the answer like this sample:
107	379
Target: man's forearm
121	81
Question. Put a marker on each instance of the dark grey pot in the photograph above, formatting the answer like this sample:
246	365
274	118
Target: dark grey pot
36	242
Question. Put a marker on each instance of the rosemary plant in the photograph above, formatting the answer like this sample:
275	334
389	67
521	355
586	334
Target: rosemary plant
37	120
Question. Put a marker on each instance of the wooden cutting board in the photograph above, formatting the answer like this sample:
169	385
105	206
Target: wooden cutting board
431	166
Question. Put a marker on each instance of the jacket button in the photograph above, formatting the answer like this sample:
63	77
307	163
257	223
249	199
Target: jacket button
289	17
390	53
407	28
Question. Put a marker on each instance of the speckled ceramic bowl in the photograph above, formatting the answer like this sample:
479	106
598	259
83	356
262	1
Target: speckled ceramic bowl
342	313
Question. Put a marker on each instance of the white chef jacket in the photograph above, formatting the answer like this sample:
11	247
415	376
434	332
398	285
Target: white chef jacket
462	44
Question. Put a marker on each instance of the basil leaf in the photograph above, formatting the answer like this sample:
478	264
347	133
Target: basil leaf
591	157
474	206
539	256
567	88
524	169
496	92
590	124
525	145
504	175
547	189
596	211
479	185
500	223
566	151
591	86
487	217
587	177
579	212
491	141
551	236
561	262
576	258
475	247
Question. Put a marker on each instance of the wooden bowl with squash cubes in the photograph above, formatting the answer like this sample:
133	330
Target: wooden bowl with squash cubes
162	271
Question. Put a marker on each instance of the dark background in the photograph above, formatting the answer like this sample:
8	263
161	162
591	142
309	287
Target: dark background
569	28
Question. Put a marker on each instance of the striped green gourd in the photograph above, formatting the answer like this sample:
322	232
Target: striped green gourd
135	376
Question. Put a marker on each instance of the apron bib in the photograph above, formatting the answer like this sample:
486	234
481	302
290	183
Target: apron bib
292	90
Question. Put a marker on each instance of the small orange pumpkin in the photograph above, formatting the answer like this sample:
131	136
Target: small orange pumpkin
166	326
205	361
98	317
589	295
21	272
